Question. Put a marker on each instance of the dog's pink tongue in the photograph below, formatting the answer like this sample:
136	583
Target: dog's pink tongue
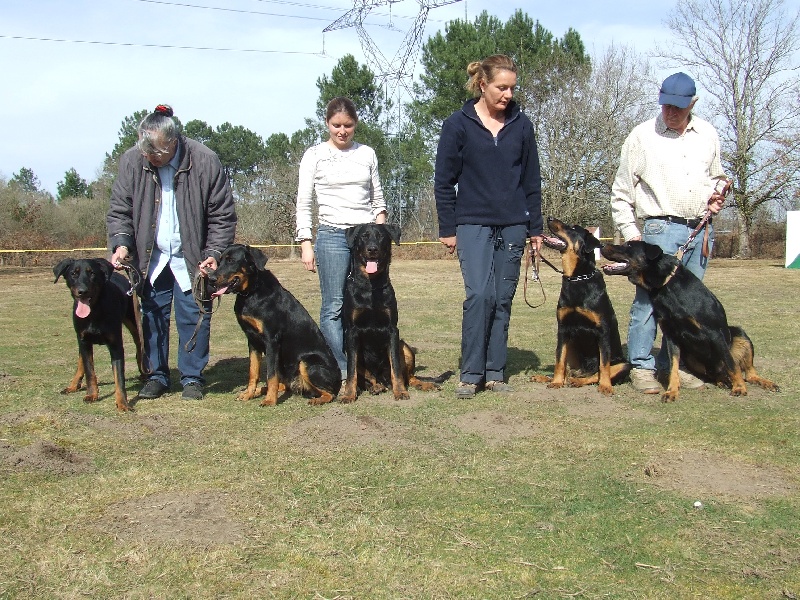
82	309
372	266
219	292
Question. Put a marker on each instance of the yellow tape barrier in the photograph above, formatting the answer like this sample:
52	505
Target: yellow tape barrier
602	239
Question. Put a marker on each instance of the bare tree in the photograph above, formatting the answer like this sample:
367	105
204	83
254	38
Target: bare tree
743	54
580	128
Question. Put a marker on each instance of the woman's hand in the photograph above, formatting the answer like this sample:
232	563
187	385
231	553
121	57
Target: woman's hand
536	243
307	256
450	242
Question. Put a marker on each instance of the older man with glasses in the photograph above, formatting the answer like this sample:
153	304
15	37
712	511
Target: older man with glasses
172	214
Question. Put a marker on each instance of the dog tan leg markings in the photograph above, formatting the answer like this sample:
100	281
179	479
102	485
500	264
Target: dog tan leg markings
674	384
75	384
271	397
320	396
120	396
351	385
252	382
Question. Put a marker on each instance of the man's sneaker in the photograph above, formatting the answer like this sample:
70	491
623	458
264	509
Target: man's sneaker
689	381
465	391
644	380
153	388
498	386
192	391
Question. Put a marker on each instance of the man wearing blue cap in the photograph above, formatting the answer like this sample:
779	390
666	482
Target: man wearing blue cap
668	175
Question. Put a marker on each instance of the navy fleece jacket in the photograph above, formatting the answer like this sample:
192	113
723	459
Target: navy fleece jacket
499	180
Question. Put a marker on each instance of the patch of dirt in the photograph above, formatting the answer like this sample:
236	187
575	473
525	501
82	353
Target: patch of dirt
702	474
47	456
127	425
494	427
198	518
336	427
606	410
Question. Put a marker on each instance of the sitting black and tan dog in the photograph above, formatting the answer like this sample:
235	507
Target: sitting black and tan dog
692	320
101	306
588	347
375	353
278	328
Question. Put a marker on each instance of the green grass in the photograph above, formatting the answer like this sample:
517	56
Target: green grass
538	494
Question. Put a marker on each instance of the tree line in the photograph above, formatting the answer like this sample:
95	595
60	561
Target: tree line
582	106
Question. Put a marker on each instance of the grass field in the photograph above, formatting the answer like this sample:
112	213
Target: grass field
536	494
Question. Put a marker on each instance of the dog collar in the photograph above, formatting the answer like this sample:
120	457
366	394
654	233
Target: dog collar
580	277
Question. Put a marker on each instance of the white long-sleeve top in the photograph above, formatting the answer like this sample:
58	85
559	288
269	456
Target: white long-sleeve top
347	187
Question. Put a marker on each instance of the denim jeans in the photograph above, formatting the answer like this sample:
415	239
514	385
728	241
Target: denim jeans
157	301
642	329
333	265
490	260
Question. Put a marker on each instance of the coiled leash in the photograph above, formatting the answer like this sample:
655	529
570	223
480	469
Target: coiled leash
726	188
532	257
202	297
135	279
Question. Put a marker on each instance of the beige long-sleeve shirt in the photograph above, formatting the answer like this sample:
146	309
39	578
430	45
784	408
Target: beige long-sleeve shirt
662	172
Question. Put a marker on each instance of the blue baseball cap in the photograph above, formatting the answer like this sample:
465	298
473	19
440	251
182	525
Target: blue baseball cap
677	90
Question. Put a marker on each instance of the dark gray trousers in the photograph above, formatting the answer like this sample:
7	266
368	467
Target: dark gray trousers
490	260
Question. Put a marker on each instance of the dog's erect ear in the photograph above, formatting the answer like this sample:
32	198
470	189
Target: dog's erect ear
351	234
259	258
59	269
394	232
652	252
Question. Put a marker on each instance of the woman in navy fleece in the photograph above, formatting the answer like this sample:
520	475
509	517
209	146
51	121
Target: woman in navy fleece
489	202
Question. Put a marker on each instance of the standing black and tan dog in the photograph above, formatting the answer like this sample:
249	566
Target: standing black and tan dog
588	344
101	307
375	352
278	328
692	319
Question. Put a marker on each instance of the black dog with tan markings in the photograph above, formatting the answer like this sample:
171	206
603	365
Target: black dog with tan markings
692	319
101	306
278	329
375	353
588	348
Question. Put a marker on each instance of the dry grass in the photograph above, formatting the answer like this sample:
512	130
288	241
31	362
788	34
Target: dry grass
541	493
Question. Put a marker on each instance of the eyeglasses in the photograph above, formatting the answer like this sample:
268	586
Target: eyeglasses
157	152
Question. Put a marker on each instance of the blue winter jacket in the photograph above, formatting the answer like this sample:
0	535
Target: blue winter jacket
498	180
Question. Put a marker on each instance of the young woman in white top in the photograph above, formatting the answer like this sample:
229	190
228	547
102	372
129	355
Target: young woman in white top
344	176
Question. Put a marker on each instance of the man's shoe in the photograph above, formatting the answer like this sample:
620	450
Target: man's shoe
498	386
465	391
193	391
644	381
689	381
153	388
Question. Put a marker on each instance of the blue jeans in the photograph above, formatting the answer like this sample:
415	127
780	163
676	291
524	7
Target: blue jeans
643	325
490	260
333	265
157	300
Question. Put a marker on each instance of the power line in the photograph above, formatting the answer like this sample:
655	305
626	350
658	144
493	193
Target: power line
268	14
129	44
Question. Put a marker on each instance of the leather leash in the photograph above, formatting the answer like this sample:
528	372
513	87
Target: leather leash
135	279
201	297
703	224
532	257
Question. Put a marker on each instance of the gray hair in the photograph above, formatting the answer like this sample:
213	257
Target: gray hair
158	125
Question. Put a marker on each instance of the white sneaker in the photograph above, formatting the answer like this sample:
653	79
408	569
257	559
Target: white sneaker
689	381
644	380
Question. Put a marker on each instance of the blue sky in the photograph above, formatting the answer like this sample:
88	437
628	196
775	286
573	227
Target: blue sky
62	103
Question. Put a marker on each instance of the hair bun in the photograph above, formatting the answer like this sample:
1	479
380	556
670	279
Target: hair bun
163	109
